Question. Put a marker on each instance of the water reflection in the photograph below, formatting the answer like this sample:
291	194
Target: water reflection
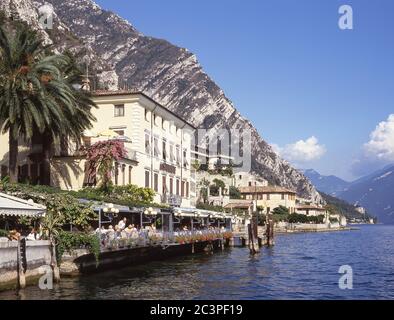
300	266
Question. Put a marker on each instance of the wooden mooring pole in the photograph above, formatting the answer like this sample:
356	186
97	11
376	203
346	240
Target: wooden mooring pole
21	263
253	235
269	233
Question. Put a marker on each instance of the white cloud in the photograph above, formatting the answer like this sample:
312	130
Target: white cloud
381	143
301	151
276	148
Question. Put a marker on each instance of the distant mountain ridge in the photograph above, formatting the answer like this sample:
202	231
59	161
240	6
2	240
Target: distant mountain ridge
374	192
331	185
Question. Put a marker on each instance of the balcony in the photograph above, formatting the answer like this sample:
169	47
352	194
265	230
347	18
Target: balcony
172	200
131	154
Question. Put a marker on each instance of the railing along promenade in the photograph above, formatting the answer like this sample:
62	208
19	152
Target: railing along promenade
145	238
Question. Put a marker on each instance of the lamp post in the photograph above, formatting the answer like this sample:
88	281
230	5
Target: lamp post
149	212
110	208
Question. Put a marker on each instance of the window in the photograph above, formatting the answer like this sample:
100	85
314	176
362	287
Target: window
187	189
147	179
123	174
116	173
119	132
119	110
240	177
163	125
147	115
178	155
23	173
171	186
177	187
156	182
87	141
185	163
156	147
172	155
268	196
4	171
283	196
183	189
130	168
155	119
164	150
34	173
250	183
147	144
164	185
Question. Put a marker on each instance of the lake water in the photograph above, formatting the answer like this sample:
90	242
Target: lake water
299	266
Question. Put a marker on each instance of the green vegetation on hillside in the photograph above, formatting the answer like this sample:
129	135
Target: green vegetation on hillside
335	205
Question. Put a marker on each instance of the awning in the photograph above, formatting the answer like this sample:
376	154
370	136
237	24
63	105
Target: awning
96	206
193	212
13	206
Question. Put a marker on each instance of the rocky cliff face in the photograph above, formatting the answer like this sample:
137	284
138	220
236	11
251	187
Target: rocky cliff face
167	73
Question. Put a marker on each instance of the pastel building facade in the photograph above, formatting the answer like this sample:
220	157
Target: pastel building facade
312	210
157	141
270	197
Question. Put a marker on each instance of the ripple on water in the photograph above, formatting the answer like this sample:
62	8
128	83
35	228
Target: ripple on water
300	266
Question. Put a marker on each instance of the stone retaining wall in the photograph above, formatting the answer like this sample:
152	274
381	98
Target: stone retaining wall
38	254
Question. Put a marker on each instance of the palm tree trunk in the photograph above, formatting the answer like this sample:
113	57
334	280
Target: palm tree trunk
54	266
47	142
13	157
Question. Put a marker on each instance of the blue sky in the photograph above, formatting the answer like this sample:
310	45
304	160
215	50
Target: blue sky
288	67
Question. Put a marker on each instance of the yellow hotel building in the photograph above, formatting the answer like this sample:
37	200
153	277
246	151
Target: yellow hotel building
158	144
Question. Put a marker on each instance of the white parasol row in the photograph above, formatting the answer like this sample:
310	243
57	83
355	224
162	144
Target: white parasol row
13	206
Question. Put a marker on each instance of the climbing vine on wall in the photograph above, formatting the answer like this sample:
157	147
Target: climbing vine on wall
101	157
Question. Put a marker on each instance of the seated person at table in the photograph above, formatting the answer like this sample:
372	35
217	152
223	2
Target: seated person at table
129	230
118	232
33	235
14	235
111	233
122	223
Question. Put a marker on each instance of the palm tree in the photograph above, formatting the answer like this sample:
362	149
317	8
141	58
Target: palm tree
77	115
51	226
36	97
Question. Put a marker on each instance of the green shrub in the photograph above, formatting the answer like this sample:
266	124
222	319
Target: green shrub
235	193
298	218
281	210
301	218
69	241
205	206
